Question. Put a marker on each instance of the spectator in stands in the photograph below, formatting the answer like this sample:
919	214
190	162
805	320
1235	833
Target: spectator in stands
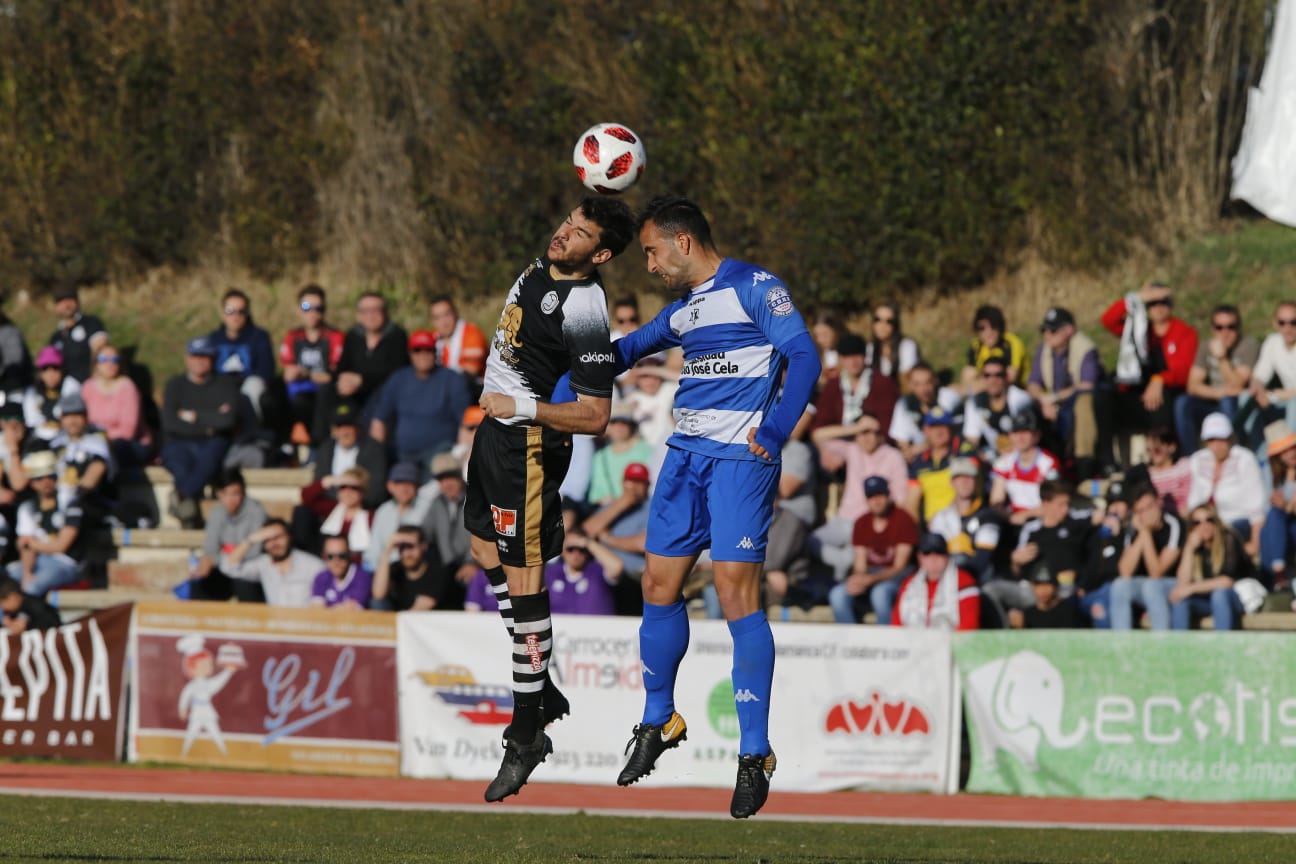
1170	473
1228	476
1152	368
623	446
345	515
1146	572
939	595
1278	536
930	490
971	527
991	339
405	507
472	418
883	541
826	327
371	351
227	543
1220	374
16	372
51	533
444	526
867	456
416	412
286	575
199	416
345	449
889	351
787	559
1212	561
653	399
1048	610
416	580
625	316
1273	380
1019	472
582	581
461	345
78	336
1058	540
21	612
309	355
14	444
622	523
1062	381
990	413
243	349
851	392
925	394
343	583
480	596
114	405
1095	584
40	403
84	461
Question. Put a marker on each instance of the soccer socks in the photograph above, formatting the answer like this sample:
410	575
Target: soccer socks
663	639
499	586
532	645
753	679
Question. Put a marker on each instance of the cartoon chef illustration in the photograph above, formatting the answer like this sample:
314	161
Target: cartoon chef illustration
204	683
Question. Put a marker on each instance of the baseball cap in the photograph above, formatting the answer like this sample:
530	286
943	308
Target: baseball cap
474	415
1024	422
1056	318
876	485
201	346
964	466
40	463
446	465
636	471
50	355
1042	575
71	403
1216	426
345	415
422	339
932	544
403	472
851	344
938	416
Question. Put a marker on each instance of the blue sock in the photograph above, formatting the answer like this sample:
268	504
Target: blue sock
753	679
663	639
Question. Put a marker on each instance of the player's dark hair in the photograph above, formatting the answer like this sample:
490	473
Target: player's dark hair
229	477
615	221
673	214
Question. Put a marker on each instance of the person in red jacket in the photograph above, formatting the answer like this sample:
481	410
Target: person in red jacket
1156	356
939	594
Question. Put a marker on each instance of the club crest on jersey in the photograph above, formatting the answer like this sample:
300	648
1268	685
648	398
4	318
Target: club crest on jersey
549	303
505	521
779	300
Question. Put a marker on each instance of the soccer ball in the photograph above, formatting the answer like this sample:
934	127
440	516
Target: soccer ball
609	158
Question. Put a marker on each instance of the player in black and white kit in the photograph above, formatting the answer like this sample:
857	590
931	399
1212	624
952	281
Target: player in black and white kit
555	320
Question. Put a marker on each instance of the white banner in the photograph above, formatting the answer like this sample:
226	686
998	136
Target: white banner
854	707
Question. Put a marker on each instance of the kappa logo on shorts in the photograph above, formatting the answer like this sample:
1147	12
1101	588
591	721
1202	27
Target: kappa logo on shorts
746	543
505	521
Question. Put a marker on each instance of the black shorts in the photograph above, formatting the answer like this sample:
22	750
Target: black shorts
513	479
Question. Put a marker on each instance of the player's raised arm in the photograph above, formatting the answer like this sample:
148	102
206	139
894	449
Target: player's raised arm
656	335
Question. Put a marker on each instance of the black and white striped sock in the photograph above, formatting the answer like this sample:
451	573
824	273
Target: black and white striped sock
532	645
499	586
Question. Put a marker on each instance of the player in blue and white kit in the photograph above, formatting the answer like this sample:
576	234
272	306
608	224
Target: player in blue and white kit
740	332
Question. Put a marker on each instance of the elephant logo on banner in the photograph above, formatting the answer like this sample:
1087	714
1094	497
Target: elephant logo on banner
1015	702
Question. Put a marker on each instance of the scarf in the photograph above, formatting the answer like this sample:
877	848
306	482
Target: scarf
944	609
357	534
1133	342
853	397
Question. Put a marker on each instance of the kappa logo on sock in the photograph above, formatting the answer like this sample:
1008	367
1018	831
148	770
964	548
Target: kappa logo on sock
745	695
746	543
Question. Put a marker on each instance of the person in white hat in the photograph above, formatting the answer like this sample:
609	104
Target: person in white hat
1227	475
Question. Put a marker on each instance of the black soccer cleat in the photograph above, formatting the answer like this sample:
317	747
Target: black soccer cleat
752	786
553	704
519	761
648	742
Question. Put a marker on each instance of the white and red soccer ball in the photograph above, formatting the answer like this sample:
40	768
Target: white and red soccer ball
609	158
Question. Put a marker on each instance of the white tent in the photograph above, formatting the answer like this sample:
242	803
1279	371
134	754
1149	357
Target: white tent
1264	170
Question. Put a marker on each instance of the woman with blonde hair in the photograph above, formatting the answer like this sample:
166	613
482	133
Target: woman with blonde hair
347	517
1211	562
114	405
1278	534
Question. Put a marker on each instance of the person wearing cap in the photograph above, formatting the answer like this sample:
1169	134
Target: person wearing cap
200	413
85	462
461	345
1278	534
1228	475
882	543
50	539
938	595
1152	367
40	402
1146	571
990	338
1018	473
971	527
444	524
989	413
243	349
405	507
622	523
852	391
347	448
416	412
622	446
78	336
309	355
926	393
930	490
1063	381
1220	374
1048	609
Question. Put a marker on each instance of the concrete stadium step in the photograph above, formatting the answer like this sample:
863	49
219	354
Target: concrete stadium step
146	576
155	544
279	489
76	603
275	509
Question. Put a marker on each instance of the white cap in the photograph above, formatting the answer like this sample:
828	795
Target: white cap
1216	427
190	645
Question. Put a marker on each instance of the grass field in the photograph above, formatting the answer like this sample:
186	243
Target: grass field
59	829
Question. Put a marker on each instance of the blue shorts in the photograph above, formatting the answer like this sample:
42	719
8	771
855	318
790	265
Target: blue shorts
701	502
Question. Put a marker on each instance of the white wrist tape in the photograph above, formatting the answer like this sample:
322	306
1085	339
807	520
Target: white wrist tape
525	406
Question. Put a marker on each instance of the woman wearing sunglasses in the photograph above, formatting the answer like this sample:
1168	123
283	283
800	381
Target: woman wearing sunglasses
113	404
1212	560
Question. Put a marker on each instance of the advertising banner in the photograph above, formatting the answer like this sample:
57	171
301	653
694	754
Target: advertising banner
62	690
252	686
853	706
1187	716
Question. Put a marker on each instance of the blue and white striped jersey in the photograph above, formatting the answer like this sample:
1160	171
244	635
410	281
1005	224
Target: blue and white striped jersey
731	329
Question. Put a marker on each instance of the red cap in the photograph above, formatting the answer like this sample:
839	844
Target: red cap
422	339
636	471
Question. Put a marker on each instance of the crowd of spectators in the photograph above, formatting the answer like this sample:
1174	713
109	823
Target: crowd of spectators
1028	488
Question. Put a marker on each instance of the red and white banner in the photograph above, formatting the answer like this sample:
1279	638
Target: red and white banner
865	707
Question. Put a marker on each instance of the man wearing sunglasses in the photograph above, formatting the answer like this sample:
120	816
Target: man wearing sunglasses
309	354
1273	382
415	581
1221	373
78	335
243	349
